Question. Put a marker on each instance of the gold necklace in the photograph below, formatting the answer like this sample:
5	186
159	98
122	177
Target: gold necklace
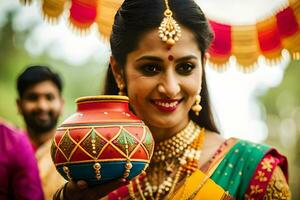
176	145
164	175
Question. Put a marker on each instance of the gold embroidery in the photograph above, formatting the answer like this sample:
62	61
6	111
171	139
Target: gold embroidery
248	197
277	187
267	164
261	176
255	189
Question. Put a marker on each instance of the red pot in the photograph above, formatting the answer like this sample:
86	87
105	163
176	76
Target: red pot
102	141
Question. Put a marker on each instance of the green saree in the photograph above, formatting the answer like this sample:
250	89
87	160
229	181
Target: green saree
239	170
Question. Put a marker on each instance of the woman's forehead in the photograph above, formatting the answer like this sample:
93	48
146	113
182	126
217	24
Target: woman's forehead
151	43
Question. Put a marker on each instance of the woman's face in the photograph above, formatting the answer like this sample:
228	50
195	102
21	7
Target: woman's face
162	83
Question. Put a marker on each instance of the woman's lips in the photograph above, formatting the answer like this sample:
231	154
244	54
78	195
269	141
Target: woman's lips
166	105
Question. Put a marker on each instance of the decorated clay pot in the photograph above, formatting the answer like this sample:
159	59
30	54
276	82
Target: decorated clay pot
102	141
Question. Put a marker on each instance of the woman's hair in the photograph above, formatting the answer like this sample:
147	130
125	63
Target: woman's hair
137	17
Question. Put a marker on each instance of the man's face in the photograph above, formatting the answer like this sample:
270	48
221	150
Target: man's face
41	106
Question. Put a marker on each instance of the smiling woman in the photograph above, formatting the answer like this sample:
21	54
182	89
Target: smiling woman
158	57
168	88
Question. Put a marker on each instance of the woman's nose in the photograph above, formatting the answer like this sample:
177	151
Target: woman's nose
169	85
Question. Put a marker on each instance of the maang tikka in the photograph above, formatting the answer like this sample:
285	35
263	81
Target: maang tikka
169	31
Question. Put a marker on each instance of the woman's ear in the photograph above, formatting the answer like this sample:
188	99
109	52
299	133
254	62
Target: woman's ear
117	72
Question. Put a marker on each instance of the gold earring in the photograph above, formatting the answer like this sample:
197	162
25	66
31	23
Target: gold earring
197	107
121	87
169	31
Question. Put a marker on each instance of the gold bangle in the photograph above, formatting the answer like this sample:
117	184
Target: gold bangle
63	192
57	195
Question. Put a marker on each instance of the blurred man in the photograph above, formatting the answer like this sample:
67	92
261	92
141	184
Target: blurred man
40	103
18	169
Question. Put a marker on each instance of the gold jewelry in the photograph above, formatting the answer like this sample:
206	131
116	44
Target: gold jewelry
131	190
60	194
161	181
176	145
121	87
197	107
169	31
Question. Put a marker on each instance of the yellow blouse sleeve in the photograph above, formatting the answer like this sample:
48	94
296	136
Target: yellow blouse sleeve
278	187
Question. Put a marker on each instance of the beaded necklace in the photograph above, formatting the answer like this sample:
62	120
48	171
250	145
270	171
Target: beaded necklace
169	166
175	146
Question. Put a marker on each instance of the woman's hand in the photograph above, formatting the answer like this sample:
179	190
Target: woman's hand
80	189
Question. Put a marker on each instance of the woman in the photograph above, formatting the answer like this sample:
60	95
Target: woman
158	56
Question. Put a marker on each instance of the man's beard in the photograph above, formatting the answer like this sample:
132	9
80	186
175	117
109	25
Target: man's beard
39	126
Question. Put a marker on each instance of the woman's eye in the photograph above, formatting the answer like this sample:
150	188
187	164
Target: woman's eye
150	69
185	68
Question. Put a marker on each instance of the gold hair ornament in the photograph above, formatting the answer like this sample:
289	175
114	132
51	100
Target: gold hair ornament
169	31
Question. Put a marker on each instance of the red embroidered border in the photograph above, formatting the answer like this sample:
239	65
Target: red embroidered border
260	179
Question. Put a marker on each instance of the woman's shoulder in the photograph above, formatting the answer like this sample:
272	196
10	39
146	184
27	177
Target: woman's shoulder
236	145
233	151
248	164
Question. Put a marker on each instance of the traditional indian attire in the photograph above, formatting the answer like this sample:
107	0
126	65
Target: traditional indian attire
18	168
239	170
51	179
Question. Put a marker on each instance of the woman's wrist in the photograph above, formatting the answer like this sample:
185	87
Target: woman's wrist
61	193
64	192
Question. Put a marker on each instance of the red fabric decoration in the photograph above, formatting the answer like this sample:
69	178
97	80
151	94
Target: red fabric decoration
220	49
221	44
268	35
286	22
83	13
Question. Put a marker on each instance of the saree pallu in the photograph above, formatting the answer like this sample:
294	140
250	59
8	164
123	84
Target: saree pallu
247	168
243	171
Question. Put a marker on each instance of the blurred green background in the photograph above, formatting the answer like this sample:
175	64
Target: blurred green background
282	108
281	104
83	80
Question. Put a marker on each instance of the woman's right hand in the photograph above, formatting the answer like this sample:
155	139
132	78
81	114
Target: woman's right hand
80	189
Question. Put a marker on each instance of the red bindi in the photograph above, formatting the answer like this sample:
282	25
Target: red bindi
170	58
